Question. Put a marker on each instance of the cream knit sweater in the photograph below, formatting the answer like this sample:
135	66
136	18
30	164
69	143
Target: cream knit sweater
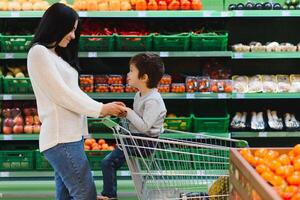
62	105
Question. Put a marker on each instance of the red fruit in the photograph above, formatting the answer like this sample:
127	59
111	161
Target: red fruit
18	120
18	129
28	128
36	120
29	120
7	130
27	111
7	113
8	122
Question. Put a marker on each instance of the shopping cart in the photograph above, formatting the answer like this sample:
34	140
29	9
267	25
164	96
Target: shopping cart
193	168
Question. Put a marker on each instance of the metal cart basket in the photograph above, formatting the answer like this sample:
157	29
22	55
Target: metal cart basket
193	168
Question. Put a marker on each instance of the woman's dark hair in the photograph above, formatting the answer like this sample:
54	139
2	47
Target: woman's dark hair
150	64
56	23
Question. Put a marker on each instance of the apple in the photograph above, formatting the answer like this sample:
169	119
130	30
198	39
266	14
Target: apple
9	122
15	112
36	120
27	111
18	120
36	128
34	111
29	120
6	113
28	128
18	129
7	130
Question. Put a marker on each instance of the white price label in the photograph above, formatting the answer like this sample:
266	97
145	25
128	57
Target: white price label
7	137
142	14
239	13
15	14
286	13
164	54
263	134
82	14
190	95
238	55
222	96
9	55
224	14
4	174
200	136
240	95
207	14
125	173
7	97
92	54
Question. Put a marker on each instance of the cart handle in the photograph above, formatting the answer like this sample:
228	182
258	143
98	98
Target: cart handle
109	123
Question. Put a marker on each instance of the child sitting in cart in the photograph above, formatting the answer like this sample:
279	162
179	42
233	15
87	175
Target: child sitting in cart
145	120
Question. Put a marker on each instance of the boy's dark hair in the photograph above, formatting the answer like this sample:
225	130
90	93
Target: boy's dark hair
56	23
150	64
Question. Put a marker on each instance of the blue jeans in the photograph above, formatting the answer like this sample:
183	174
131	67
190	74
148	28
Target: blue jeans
73	177
116	159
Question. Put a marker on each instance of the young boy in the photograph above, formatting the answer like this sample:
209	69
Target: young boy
146	118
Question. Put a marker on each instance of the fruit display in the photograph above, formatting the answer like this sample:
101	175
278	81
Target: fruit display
215	70
178	87
291	5
130	89
118	88
166	80
278	167
191	84
266	83
25	5
16	120
115	79
221	86
101	88
260	121
101	79
92	144
256	6
86	79
163	88
203	84
126	5
268	47
87	88
176	122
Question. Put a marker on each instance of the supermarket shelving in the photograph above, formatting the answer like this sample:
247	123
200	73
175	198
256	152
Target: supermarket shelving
264	134
162	14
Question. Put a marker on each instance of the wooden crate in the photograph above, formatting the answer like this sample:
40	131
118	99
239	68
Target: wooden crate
245	182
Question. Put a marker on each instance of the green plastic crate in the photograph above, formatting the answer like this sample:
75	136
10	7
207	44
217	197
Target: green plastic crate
211	124
41	163
179	123
96	126
96	43
15	43
209	41
177	42
134	43
17	86
95	158
16	160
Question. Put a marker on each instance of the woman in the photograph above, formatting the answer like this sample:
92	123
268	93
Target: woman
53	69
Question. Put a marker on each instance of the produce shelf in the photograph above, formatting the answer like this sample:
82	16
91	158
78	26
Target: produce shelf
264	134
265	55
265	95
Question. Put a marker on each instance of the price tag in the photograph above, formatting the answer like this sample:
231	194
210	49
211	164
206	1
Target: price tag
4	174
125	173
142	14
222	96
82	14
263	134
240	95
7	137
92	54
286	13
224	14
9	55
15	14
200	136
7	97
238	55
238	13
164	54
190	95
207	14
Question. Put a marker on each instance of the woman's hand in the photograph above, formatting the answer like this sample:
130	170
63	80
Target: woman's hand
114	109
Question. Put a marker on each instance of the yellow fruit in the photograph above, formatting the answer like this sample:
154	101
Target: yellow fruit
219	187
